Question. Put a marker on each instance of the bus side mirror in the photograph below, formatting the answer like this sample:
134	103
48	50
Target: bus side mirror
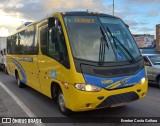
127	26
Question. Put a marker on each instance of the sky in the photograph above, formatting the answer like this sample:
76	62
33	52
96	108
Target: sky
141	15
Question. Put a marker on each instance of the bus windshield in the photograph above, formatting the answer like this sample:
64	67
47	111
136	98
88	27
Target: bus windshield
86	34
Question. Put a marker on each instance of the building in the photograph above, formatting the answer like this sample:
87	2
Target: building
158	38
145	43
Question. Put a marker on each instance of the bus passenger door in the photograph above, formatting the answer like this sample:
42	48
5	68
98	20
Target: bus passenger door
44	62
53	49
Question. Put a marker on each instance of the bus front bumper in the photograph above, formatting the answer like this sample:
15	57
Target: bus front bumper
77	100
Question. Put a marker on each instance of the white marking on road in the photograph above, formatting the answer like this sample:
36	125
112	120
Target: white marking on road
20	103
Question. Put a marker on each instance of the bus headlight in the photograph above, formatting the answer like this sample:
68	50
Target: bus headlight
142	80
87	87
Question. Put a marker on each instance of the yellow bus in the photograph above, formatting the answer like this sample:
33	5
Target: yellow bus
84	60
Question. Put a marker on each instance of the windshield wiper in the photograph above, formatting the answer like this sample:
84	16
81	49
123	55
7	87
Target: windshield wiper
104	37
103	42
119	42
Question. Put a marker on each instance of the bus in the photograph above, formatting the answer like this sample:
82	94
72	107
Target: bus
83	60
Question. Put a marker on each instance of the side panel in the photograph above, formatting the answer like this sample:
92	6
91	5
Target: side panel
30	66
51	71
27	68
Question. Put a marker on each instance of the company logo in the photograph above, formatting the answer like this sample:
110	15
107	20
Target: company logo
122	81
6	120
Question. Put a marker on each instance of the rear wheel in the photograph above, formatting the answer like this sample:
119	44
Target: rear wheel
19	83
158	82
62	105
5	70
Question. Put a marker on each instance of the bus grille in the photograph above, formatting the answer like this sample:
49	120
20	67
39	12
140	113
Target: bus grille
120	98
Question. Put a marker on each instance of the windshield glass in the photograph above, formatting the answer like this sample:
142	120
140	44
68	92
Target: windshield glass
155	59
119	33
85	36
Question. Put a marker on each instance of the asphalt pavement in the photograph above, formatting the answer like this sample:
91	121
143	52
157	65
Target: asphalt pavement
43	106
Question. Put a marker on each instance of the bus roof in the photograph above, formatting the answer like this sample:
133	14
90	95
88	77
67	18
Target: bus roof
69	13
85	13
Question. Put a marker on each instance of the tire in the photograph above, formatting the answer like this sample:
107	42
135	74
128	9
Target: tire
61	104
5	70
19	83
158	82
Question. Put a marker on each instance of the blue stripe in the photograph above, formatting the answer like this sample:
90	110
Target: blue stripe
21	70
129	80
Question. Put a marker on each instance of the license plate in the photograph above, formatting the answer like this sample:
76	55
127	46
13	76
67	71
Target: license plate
118	104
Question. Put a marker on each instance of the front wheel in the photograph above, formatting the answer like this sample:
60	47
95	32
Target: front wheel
61	104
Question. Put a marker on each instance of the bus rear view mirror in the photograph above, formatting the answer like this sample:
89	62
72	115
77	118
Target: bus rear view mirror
51	22
127	26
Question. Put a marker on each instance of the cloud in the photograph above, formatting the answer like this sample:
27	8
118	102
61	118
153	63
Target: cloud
16	11
153	13
37	9
144	2
134	23
29	9
4	32
131	11
73	5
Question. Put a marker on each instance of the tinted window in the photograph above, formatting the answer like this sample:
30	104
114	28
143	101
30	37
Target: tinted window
43	38
14	44
23	42
9	47
22	49
53	42
57	45
30	44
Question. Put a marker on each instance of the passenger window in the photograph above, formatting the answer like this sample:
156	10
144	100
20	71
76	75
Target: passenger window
52	41
57	46
43	38
31	46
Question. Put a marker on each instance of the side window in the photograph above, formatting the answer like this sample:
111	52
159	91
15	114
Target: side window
58	44
22	43
43	31
14	43
31	46
9	48
52	41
